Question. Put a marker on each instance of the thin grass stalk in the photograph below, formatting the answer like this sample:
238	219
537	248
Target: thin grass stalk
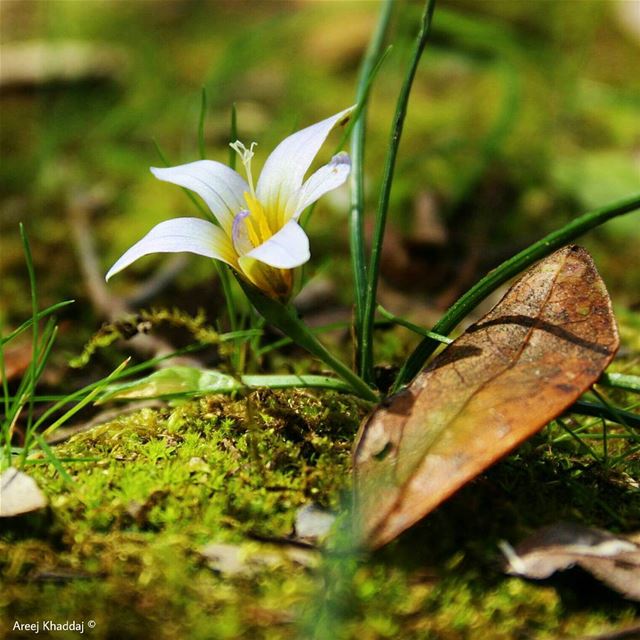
387	315
366	362
27	323
507	270
358	134
6	401
33	367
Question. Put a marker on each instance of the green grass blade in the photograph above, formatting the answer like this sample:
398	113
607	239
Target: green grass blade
34	321
27	323
51	456
597	410
507	270
366	360
358	135
412	327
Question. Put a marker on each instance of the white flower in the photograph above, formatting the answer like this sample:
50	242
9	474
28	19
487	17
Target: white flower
257	233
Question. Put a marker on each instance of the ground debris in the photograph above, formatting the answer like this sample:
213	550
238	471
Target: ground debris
19	494
249	559
613	560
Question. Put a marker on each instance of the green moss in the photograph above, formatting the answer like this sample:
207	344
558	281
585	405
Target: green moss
122	546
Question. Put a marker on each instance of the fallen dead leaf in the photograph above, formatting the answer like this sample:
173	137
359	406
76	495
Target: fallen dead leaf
612	559
504	379
19	494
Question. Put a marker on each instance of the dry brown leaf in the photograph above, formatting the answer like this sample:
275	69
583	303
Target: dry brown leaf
612	559
505	378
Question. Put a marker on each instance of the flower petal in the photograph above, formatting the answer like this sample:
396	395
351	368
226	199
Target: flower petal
325	179
240	236
180	234
286	249
285	168
218	185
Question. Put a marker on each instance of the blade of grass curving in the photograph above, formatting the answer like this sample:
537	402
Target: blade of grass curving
366	354
49	335
412	327
27	323
358	135
363	99
574	436
502	274
616	412
32	432
95	389
51	456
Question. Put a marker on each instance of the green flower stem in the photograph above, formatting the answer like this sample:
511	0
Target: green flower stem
505	272
284	318
366	360
356	221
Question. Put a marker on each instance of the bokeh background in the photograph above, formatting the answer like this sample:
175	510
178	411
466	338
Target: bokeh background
523	115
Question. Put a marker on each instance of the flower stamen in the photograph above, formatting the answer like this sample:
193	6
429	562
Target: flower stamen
246	156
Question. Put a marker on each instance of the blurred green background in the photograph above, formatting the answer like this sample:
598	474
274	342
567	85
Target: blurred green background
523	115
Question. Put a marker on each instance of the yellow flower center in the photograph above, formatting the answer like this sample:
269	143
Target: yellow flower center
257	222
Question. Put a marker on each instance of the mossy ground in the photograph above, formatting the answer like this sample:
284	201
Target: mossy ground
122	545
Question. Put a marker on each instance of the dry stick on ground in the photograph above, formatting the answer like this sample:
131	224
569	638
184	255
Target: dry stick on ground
108	305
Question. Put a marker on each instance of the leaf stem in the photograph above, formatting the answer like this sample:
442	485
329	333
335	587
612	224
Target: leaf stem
507	270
